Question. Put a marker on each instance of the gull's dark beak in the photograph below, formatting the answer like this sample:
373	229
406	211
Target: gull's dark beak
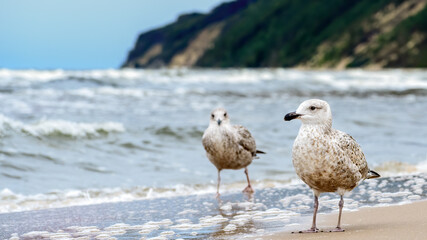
219	122
292	115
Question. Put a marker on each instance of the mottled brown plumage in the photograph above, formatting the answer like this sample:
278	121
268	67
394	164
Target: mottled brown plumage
228	146
326	159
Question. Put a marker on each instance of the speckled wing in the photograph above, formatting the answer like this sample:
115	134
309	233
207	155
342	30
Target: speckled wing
352	149
207	144
245	139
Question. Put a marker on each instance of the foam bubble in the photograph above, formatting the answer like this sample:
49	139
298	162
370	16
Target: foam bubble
187	226
230	227
241	220
159	238
385	200
151	226
287	200
226	207
188	211
414	197
117	226
103	236
35	234
167	233
212	220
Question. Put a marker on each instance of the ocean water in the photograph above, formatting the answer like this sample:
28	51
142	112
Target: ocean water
83	137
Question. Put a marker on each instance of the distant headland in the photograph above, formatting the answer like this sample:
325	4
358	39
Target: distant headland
284	33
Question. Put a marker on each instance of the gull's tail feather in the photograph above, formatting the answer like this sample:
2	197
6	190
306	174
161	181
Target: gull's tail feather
259	151
372	174
256	152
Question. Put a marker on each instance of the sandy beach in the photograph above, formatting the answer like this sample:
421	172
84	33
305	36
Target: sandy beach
407	221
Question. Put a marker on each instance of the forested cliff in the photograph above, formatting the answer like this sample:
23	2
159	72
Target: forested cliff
291	33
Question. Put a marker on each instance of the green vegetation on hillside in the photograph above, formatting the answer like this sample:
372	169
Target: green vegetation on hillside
311	33
176	36
412	29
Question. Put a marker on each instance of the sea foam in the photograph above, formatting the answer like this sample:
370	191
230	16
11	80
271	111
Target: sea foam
16	202
59	128
345	80
412	188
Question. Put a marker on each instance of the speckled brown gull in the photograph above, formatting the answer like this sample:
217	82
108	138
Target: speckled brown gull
326	159
228	146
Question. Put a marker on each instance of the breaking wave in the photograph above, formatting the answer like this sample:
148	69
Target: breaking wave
397	80
15	202
178	132
59	128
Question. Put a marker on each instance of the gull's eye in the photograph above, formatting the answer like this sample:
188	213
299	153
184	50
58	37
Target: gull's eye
312	108
225	114
212	116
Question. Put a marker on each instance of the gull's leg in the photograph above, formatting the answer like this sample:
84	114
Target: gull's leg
218	183
248	189
341	205
313	228
316	206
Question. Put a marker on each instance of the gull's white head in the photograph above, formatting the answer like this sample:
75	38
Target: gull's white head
313	111
219	117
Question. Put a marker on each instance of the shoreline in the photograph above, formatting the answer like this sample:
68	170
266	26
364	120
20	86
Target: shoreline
234	216
405	221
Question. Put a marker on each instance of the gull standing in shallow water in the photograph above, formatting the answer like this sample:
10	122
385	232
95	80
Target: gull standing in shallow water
326	159
228	146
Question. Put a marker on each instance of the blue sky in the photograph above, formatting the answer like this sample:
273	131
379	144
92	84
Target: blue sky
81	34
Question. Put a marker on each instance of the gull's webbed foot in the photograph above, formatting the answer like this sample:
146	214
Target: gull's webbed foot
311	230
248	189
337	229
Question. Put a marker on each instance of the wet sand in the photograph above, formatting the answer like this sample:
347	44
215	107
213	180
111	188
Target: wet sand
393	222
